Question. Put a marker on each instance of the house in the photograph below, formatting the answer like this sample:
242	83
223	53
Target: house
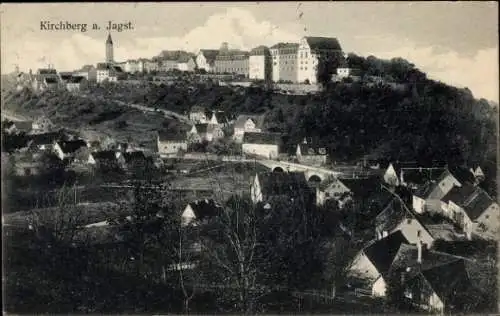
260	66
331	188
451	177
198	114
84	156
186	63
27	165
171	143
291	185
314	52
109	72
109	159
412	174
247	124
219	118
199	211
370	266
284	62
434	281
396	216
44	142
67	149
261	144
205	59
478	173
205	132
311	154
76	83
45	79
473	210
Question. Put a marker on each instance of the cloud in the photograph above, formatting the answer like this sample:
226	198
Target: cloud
236	26
479	73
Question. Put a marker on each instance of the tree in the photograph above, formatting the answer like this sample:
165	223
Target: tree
230	245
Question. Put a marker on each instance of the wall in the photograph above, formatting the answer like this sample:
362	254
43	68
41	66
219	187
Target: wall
362	268
257	67
379	287
171	148
298	87
266	151
314	160
409	229
491	221
418	204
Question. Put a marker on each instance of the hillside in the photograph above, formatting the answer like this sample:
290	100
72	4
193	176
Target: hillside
421	120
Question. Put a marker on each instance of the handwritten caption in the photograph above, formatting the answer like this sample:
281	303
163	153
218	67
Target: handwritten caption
84	27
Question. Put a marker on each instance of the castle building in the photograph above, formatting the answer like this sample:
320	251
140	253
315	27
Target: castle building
109	50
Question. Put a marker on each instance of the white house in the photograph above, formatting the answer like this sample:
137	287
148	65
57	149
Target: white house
284	62
261	144
247	124
67	149
269	185
75	84
205	132
369	267
331	188
186	63
108	72
205	59
198	115
472	209
311	154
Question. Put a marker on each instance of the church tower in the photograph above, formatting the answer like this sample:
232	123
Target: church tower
109	49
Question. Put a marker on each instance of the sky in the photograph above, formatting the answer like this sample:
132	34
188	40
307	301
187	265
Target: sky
454	42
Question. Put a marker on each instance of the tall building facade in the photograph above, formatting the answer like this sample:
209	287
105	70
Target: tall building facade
284	62
109	50
312	52
260	63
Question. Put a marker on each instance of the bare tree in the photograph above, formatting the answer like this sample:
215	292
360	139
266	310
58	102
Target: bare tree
58	224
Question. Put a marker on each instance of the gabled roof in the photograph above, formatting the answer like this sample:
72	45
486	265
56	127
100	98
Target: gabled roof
71	146
220	117
197	108
104	155
241	120
329	182
66	76
392	215
472	199
205	208
51	80
463	175
421	175
308	149
262	138
283	184
171	137
382	252
210	55
45	71
45	139
366	187
320	43
425	190
109	40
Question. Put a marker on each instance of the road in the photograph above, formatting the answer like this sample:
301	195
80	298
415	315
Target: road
12	117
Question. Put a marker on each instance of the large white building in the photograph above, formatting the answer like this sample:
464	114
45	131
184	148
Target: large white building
313	51
284	62
260	67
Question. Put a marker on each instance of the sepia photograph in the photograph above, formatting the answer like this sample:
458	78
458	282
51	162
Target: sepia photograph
250	158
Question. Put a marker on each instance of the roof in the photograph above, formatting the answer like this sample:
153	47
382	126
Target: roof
45	138
320	43
220	116
165	136
472	199
421	175
76	79
210	55
104	155
184	58
72	145
205	208
109	40
262	138
445	273
283	184
463	175
232	53
203	128
328	182
392	215
44	71
383	251
197	108
65	76
308	149
134	156
260	50
365	187
425	190
241	120
285	45
51	80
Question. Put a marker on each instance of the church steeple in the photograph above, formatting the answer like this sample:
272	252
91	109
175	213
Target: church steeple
109	49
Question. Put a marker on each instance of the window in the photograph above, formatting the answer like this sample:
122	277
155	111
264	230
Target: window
419	233
306	54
